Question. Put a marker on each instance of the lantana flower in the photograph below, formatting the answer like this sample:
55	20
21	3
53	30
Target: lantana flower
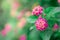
37	10
41	24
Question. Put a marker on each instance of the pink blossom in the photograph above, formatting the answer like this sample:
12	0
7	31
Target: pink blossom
37	10
15	5
21	14
7	27
41	24
22	37
6	30
58	1
3	32
55	26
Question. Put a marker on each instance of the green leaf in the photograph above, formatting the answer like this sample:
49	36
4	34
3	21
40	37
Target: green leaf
34	35
47	10
32	19
51	12
55	36
46	34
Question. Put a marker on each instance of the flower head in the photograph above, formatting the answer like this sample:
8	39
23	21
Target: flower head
41	24
55	26
23	37
37	10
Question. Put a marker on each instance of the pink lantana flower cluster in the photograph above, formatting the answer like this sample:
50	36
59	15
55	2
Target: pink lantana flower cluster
41	23
37	10
55	27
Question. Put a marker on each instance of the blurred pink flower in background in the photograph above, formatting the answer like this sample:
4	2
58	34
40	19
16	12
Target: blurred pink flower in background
3	32
58	1
21	23
55	26
15	5
37	10
20	15
28	13
41	24
6	29
22	37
